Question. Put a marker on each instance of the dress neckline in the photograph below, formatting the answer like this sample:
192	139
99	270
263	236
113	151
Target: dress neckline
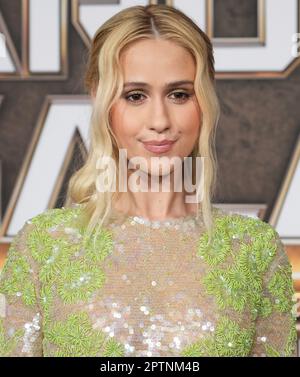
171	222
167	222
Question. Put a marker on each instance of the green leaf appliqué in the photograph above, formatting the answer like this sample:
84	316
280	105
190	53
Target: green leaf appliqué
76	337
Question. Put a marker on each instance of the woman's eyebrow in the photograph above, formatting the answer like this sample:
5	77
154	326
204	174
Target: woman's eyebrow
168	85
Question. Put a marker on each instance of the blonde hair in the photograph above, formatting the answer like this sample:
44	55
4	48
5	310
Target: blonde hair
104	80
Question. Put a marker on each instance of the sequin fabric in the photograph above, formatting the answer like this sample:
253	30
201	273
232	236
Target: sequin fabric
146	288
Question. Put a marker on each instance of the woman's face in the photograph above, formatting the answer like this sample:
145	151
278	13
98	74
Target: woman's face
154	110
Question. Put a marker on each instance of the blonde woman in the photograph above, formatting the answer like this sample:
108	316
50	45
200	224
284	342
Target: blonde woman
142	272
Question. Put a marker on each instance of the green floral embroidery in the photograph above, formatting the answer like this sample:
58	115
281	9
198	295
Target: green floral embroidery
76	337
217	251
54	217
78	281
290	344
61	251
8	345
271	351
40	244
255	257
113	349
281	287
245	227
51	270
241	284
99	248
195	349
231	289
219	283
46	302
265	307
229	340
17	280
263	250
291	339
67	268
75	279
234	226
46	249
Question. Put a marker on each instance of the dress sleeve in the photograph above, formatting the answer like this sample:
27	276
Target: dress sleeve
20	313
276	333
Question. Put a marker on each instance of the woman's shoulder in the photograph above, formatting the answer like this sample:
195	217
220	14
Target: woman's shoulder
52	218
242	224
52	228
52	221
249	236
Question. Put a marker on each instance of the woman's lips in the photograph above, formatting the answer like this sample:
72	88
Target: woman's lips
159	148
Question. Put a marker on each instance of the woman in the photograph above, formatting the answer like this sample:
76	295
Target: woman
143	273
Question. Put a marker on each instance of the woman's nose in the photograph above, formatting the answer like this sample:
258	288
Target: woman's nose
159	119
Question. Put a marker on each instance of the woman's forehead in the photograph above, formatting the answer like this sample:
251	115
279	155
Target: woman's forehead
141	62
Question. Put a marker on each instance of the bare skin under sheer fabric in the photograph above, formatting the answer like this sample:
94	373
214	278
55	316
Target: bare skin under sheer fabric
147	288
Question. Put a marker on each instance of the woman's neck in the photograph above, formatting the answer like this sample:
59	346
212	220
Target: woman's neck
155	206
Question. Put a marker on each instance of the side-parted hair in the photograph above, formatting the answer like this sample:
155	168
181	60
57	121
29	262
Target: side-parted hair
103	80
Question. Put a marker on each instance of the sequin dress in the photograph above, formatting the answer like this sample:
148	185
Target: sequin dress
148	288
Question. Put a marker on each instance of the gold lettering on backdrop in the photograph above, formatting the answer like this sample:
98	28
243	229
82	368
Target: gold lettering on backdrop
19	68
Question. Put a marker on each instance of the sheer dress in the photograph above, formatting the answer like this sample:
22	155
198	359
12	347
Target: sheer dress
146	288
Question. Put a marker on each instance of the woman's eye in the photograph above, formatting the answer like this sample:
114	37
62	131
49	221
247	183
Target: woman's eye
181	96
134	95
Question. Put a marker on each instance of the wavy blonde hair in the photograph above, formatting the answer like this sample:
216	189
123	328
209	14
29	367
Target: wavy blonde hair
104	80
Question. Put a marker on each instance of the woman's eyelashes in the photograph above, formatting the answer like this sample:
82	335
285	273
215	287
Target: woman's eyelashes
134	97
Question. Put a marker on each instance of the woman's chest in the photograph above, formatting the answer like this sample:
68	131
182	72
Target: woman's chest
147	297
